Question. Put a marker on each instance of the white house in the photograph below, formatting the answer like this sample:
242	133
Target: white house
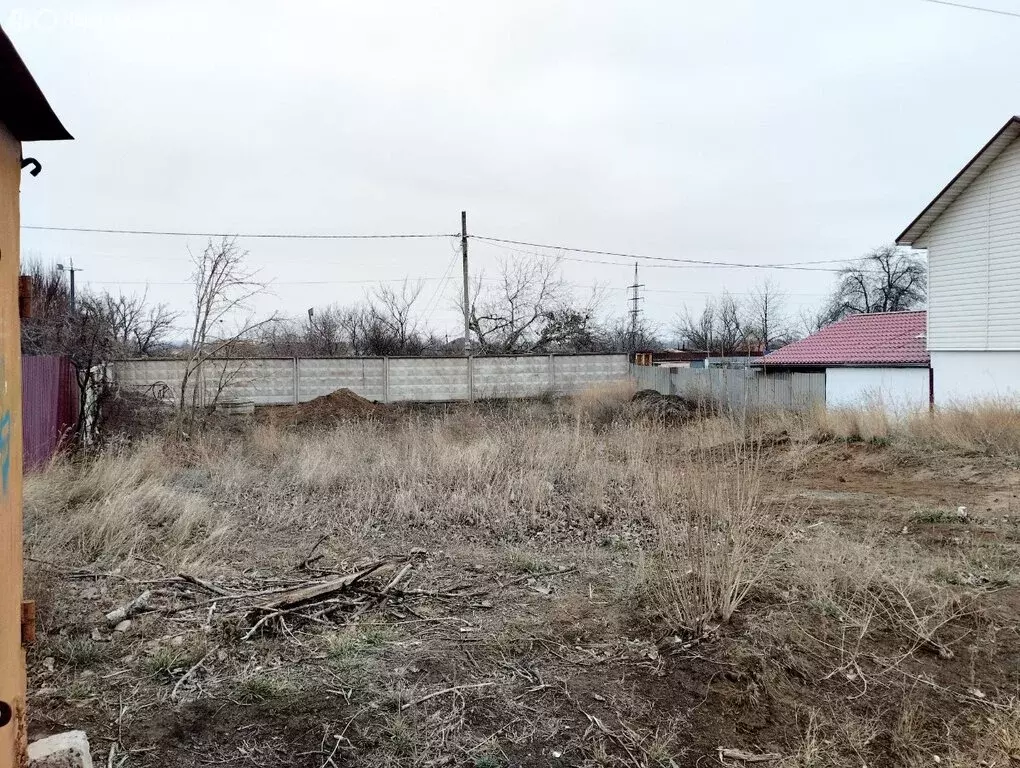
971	231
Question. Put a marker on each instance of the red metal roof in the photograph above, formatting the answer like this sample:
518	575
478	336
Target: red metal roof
882	338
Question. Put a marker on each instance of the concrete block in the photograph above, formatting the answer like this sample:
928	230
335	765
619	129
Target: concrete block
64	750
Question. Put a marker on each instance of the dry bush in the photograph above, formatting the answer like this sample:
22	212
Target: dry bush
998	743
865	589
717	533
603	404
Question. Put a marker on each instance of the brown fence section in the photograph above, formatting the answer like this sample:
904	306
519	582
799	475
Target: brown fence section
49	399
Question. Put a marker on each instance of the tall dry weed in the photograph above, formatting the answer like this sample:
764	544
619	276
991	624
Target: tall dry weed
991	427
717	532
603	404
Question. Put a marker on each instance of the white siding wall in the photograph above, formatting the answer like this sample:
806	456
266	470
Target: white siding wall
898	390
974	263
969	377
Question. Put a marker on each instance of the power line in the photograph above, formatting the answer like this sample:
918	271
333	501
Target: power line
433	303
695	262
271	282
253	235
561	257
982	9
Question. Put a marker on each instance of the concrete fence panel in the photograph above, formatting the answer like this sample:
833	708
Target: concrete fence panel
364	376
575	373
425	379
277	381
501	377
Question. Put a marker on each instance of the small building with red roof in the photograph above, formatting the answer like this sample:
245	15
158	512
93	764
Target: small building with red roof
878	358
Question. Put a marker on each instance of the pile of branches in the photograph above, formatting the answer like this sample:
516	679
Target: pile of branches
329	598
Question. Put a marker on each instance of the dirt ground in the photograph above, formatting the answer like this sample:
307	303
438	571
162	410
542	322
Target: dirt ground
886	632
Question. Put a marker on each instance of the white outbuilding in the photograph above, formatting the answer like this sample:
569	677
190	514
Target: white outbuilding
869	360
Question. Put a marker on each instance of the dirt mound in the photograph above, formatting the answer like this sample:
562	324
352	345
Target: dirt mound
672	409
342	405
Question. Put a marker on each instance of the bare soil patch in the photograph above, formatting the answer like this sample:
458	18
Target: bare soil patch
342	405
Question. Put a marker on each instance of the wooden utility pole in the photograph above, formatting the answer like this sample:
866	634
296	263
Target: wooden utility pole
467	298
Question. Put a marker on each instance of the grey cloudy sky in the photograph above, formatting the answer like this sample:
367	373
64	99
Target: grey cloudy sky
732	130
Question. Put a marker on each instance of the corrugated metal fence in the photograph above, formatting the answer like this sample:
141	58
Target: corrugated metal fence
735	386
49	401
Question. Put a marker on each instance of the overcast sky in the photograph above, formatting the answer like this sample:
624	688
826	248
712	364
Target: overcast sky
732	130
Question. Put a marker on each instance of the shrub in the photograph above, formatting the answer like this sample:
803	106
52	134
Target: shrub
716	535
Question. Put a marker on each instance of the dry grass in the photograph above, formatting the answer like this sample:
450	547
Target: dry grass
119	504
605	403
991	428
854	623
507	478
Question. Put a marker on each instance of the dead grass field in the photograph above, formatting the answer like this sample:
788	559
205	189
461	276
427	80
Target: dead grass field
560	584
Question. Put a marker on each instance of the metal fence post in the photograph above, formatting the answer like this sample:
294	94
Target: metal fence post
470	378
386	379
552	374
297	381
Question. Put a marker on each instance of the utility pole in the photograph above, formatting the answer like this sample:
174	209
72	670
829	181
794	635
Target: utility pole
635	310
71	269
467	305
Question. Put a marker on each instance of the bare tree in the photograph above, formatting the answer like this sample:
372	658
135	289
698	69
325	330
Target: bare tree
391	318
615	335
90	343
283	337
352	322
724	327
886	280
731	336
224	289
529	307
767	318
45	331
814	320
98	328
697	332
137	328
325	331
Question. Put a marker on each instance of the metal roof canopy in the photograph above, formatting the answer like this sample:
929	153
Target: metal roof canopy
23	107
978	164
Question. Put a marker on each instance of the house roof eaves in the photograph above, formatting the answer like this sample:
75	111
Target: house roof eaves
977	165
23	107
